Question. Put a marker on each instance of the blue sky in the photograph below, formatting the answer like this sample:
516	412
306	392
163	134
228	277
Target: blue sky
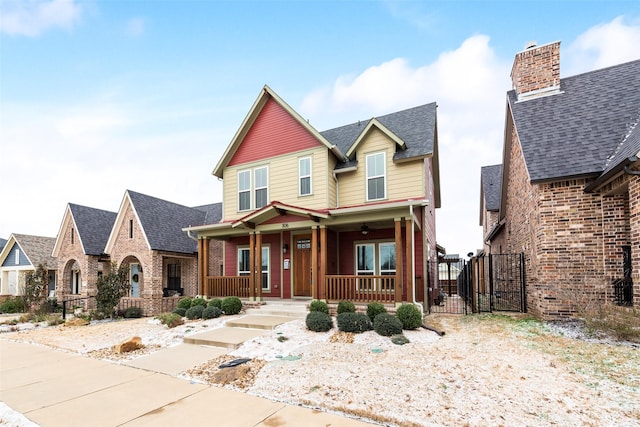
97	97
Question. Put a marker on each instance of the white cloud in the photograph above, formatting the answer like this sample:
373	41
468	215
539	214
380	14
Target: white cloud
135	27
469	85
603	45
34	17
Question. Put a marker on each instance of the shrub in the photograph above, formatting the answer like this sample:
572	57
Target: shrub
185	303
386	324
318	305
216	302
133	312
400	339
354	322
375	308
180	311
319	321
410	316
198	301
54	320
231	305
211	313
194	312
170	319
346	307
12	305
111	287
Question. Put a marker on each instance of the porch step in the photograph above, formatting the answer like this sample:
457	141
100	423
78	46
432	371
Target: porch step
255	321
295	311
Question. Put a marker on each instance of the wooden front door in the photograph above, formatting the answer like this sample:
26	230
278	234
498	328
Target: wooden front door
302	265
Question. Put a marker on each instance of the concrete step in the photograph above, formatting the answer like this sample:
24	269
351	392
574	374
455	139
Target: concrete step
225	337
256	321
293	311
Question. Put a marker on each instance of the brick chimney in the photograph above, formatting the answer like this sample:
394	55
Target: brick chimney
536	71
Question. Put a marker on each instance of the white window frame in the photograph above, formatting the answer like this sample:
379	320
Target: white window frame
266	257
244	190
17	256
265	186
369	175
243	272
301	176
370	285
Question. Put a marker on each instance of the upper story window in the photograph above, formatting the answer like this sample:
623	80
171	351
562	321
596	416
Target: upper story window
17	258
304	173
376	176
131	229
262	186
244	190
72	236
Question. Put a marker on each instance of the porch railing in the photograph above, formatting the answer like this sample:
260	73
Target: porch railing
223	286
361	288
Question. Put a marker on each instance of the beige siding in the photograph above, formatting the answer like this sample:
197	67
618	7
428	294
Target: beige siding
404	180
283	182
332	200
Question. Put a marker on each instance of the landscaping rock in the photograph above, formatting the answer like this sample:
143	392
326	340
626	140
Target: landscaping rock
133	343
76	321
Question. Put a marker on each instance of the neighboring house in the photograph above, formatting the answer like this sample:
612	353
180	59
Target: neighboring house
570	192
22	254
490	179
3	242
79	250
147	236
348	213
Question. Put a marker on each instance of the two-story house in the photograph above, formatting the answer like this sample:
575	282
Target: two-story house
22	254
348	213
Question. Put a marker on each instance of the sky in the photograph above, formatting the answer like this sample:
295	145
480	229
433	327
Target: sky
98	97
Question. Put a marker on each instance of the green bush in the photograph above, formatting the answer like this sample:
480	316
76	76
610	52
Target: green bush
194	312
216	302
185	303
354	322
170	319
346	307
231	305
410	316
133	313
375	308
12	305
319	321
386	324
318	305
211	313
400	339
180	311
198	301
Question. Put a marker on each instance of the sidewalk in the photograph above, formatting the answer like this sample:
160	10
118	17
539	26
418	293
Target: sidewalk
56	388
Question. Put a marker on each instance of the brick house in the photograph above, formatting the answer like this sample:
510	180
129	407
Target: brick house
79	250
163	261
570	191
490	179
348	213
22	254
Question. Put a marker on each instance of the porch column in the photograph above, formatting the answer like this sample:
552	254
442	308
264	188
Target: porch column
410	257
399	261
205	264
322	272
252	263
258	267
314	262
201	278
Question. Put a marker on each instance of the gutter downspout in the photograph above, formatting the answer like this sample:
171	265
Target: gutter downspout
413	263
631	171
335	178
190	236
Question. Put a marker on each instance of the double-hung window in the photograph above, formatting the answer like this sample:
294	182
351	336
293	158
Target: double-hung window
304	174
244	190
376	259
261	179
244	266
376	176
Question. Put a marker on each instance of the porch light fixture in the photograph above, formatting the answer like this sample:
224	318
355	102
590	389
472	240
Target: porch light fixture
364	229
285	248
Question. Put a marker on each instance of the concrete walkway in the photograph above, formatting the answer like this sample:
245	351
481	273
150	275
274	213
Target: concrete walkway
55	388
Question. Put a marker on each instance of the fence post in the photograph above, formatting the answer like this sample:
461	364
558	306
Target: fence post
523	287
490	283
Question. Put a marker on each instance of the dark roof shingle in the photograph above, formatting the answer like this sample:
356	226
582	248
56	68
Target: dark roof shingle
491	178
93	227
38	249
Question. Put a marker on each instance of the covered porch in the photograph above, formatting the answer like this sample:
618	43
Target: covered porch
372	253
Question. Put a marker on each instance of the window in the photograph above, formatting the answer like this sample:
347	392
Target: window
131	229
244	268
72	236
173	277
262	186
17	256
376	259
244	190
376	176
304	173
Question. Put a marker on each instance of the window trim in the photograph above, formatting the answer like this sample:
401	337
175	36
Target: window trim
373	284
383	176
266	248
248	190
301	176
256	188
17	256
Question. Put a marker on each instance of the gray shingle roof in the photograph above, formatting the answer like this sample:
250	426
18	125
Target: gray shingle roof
491	177
163	222
573	133
213	213
629	147
38	249
3	242
415	126
93	227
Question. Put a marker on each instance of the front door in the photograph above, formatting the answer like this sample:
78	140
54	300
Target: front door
302	265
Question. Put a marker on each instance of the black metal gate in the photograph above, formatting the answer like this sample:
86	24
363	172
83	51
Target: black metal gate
486	283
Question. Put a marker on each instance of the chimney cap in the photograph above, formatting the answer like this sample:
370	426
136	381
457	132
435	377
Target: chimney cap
530	44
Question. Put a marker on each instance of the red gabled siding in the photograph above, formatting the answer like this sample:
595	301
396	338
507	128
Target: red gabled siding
275	132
